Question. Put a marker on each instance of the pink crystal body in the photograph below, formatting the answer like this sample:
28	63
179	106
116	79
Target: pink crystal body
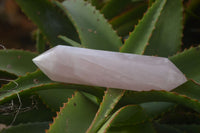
109	69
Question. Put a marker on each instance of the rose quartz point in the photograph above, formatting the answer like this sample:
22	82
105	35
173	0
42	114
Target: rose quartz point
109	69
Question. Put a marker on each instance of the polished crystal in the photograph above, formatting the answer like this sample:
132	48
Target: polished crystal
109	69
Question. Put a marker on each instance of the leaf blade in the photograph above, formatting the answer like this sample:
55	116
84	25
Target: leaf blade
125	116
188	98
138	39
111	98
92	26
38	127
166	38
188	62
40	42
42	12
66	121
17	62
38	81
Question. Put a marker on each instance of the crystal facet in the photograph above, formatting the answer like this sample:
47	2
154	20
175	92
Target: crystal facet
109	69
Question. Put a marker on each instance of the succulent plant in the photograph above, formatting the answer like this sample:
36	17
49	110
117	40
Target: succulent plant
32	103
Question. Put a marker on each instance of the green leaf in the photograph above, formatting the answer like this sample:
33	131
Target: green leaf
110	99
125	116
23	83
75	116
98	3
125	22
166	38
145	127
180	115
38	127
31	106
188	98
96	91
5	77
113	7
191	10
55	97
192	128
138	39
154	109
50	19
162	128
189	89
92	98
151	2
95	32
40	42
188	62
17	62
71	42
38	81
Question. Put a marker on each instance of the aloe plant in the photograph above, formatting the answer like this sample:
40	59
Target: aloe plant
32	103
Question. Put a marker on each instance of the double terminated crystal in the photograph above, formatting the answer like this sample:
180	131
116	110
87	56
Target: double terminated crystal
109	69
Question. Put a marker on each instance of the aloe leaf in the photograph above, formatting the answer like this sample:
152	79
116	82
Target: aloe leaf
45	92
50	19
188	62
23	83
78	111
125	116
190	128
139	38
54	95
68	40
92	26
190	9
180	115
110	99
166	38
40	42
124	29
17	62
113	8
151	2
145	127
188	98
189	89
154	109
162	128
98	3
6	76
31	106
61	93
38	81
124	23
93	98
54	98
37	127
